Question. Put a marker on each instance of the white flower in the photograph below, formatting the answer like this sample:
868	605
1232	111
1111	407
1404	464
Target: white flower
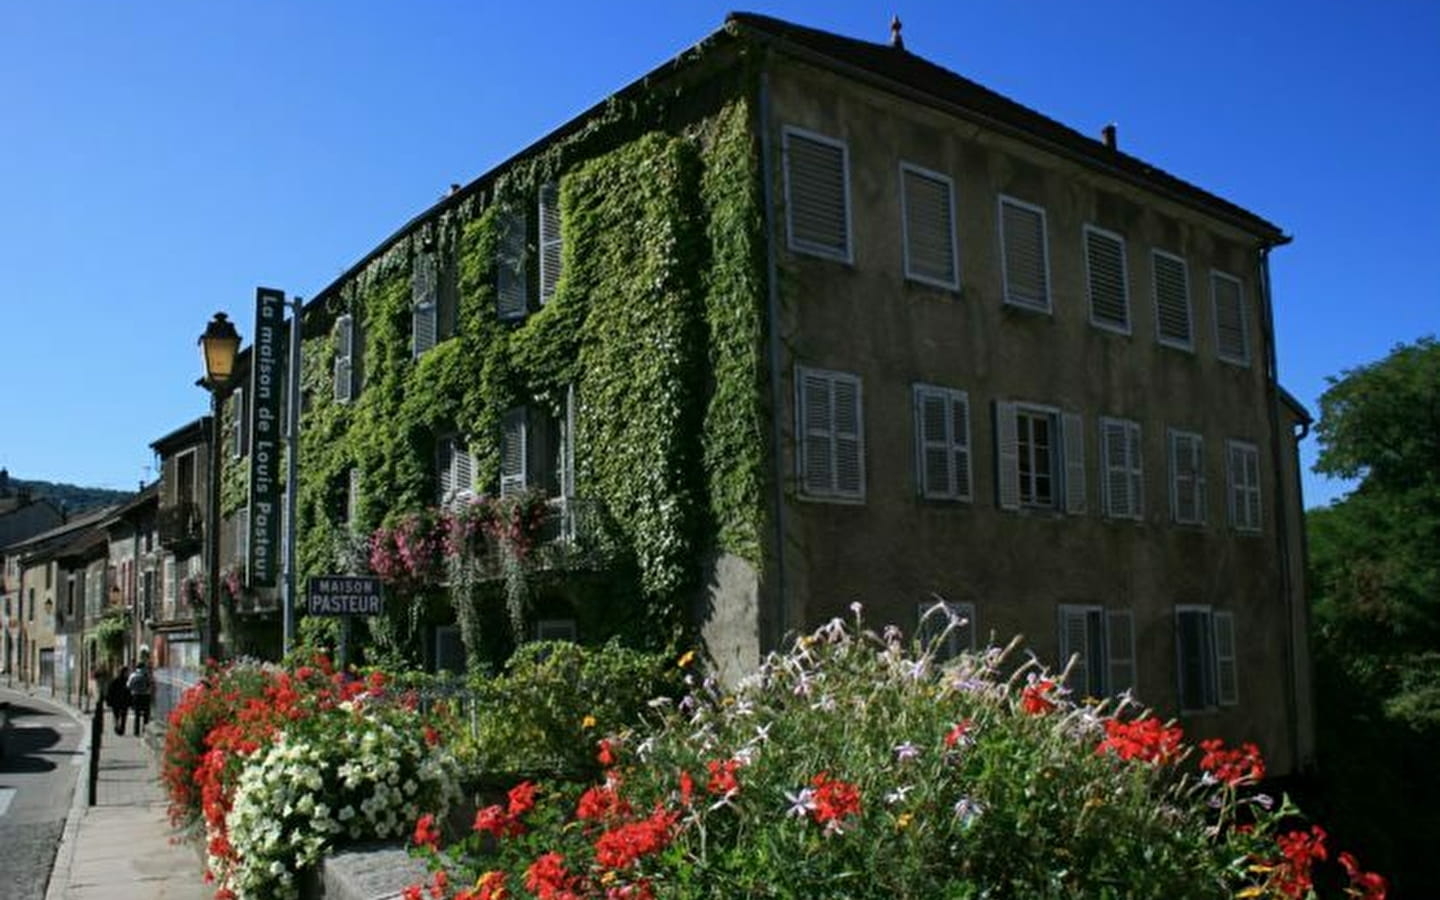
801	804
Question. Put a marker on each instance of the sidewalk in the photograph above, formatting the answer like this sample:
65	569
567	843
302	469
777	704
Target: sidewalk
121	848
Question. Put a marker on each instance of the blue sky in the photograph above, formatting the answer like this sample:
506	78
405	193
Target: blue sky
159	160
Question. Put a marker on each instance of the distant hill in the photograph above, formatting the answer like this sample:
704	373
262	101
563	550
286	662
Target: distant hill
70	497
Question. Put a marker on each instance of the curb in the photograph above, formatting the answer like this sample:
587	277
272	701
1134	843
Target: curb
65	853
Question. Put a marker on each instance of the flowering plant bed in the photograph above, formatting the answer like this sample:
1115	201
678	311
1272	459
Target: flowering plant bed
856	765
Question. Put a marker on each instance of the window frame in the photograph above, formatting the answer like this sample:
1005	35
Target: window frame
1214	694
801	245
1107	656
834	494
1243	360
1131	470
450	450
1174	437
1070	461
1086	231
1235	490
908	168
1188	345
1048	308
952	448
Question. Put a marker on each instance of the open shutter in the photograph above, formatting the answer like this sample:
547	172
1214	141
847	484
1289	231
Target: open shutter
1172	300
1022	240
1231	340
1226	669
511	299
929	227
932	427
1073	643
1235	493
1074	435
1116	483
464	469
817	195
960	441
445	469
817	433
1252	482
344	350
550	241
1120	644
1105	268
1007	457
423	287
513	453
238	421
849	438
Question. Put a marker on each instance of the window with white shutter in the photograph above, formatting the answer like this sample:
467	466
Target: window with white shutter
344	354
239	446
946	629
1207	658
1082	648
831	430
550	241
942	443
1232	339
1026	262
1244	492
1227	676
1038	448
1187	477
1120	647
1124	477
1172	300
817	194
927	206
425	296
511	295
172	589
455	471
514	452
1040	458
1105	276
1073	430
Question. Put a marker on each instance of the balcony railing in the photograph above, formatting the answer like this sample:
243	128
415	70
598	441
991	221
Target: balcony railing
179	525
572	536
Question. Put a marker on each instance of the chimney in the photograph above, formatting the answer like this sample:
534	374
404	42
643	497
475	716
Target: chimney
1108	135
896	40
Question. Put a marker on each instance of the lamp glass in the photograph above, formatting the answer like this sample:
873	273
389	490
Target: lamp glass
218	346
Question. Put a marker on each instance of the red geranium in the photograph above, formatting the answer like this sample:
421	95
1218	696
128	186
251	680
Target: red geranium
1232	767
1147	740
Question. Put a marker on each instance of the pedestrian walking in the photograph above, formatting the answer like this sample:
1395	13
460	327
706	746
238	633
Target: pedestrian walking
141	686
117	695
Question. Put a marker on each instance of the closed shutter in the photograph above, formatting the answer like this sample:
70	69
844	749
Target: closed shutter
849	438
1187	490
932	423
511	299
550	241
344	350
1105	271
1231	339
1172	300
424	285
1226	670
1074	435
513	452
817	437
1117	471
1022	242
929	227
1074	643
960	442
1007	457
817	194
1120	644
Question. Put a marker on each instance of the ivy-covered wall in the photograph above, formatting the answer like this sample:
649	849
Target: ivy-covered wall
656	322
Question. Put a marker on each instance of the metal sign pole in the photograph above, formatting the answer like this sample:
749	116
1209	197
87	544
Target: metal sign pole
292	468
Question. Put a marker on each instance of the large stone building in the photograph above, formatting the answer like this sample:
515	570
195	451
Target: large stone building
843	325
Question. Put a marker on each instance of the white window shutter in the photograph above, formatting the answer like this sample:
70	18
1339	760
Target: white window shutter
238	430
1172	300
550	241
1120	644
511	298
1231	337
960	437
816	433
932	427
1226	668
1007	456
1074	643
817	194
344	354
513	452
1105	271
423	286
849	438
929	221
1116	483
1136	474
464	476
1022	244
445	469
1074	435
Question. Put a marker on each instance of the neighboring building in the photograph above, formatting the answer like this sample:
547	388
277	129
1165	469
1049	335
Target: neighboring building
21	517
798	320
134	575
173	631
81	581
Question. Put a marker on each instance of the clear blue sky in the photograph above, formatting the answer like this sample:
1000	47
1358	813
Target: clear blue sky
158	160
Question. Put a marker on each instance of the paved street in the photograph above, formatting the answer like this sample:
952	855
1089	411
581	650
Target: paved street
38	772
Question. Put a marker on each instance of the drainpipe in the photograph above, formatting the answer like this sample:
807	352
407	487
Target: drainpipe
777	394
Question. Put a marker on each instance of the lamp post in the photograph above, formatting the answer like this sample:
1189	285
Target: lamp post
218	345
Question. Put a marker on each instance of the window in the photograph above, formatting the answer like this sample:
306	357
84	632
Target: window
1023	250
817	194
344	357
449	650
1244	486
238	431
927	206
1172	300
1040	455
1187	477
1232	340
550	241
425	303
514	452
556	630
948	628
1103	645
455	471
1205	657
242	535
147	596
512	298
1105	275
831	430
185	478
942	443
70	596
172	587
1120	457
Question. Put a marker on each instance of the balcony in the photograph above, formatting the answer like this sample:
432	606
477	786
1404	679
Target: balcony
572	537
180	526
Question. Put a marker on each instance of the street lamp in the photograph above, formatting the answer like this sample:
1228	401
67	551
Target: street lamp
218	346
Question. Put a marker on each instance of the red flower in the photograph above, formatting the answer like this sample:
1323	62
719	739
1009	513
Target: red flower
1364	885
722	776
494	820
439	884
1232	767
413	892
1298	850
1036	699
426	832
619	847
432	736
602	802
522	799
491	886
606	756
834	801
1145	739
687	787
548	878
957	732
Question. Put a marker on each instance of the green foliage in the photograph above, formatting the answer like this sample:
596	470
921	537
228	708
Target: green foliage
110	634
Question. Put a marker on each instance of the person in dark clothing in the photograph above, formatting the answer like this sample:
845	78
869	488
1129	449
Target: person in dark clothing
141	686
118	696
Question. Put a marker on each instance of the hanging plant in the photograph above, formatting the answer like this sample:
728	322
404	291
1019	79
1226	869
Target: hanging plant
192	592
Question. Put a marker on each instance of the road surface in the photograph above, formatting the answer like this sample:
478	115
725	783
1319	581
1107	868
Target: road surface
38	770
